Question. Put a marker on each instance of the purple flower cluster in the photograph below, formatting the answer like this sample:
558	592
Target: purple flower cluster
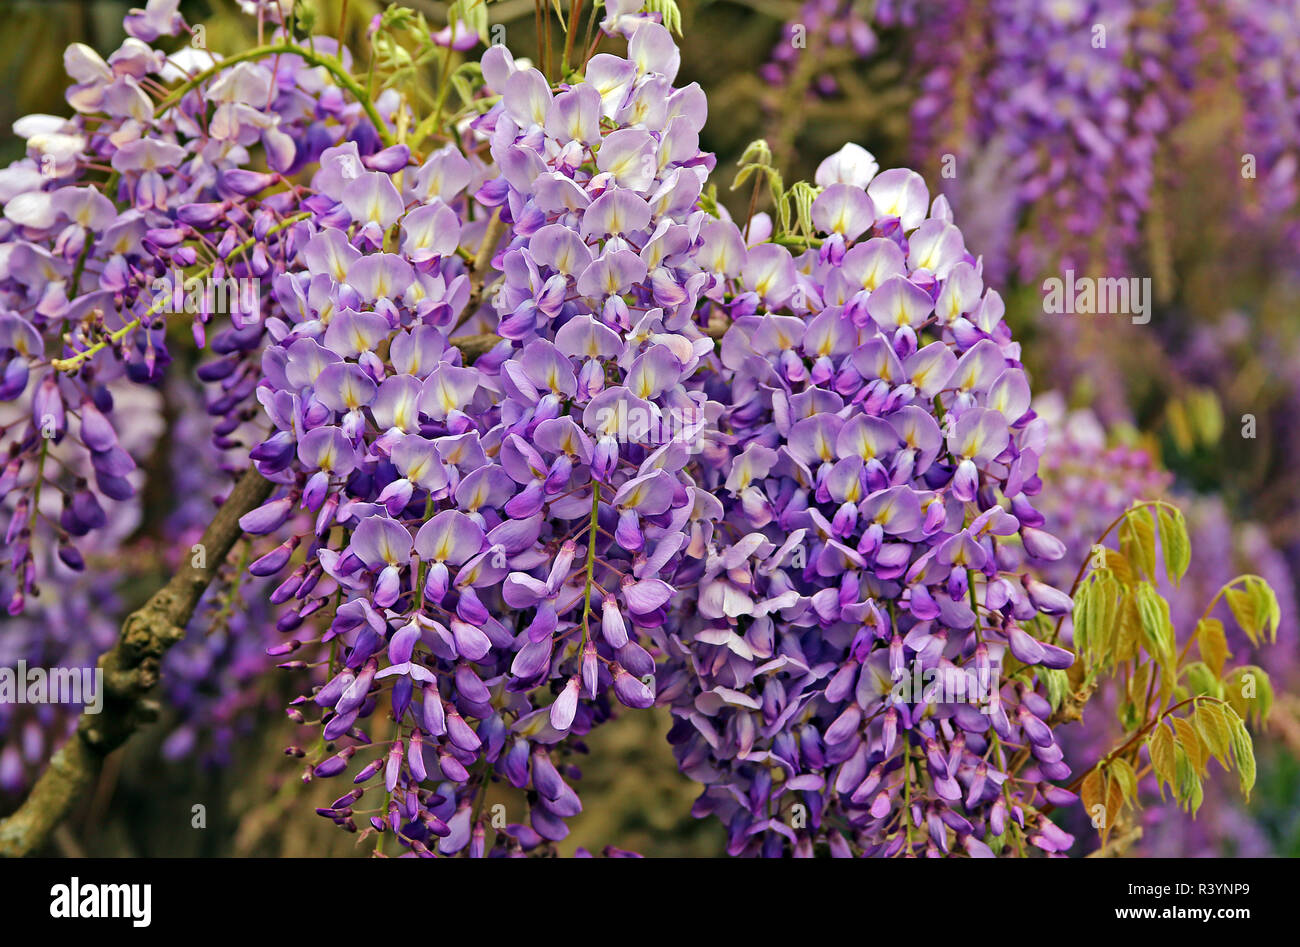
819	24
489	512
876	480
88	275
1057	117
72	628
1061	116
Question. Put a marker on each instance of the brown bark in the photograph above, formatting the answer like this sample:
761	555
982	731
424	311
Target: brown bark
130	672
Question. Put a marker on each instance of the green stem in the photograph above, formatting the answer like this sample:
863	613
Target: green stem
328	63
74	361
591	564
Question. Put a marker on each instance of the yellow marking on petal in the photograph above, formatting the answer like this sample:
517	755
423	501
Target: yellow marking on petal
746	475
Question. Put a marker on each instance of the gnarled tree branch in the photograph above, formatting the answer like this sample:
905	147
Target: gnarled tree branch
130	672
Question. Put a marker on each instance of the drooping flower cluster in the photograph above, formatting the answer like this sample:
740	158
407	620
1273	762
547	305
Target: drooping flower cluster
876	483
1054	126
492	510
1055	129
90	275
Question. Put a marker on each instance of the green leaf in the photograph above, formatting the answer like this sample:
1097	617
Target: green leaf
1254	605
1243	748
1109	601
1175	546
1122	772
803	194
709	200
1242	604
1249	691
1157	629
757	152
1213	726
1202	681
1212	644
1057	684
1137	540
1190	742
672	15
1188	790
1128	627
1160	746
1084	617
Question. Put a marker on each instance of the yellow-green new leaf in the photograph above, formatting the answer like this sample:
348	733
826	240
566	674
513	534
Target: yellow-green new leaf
1057	684
1250	692
1189	740
1160	746
1243	748
1175	546
1137	540
1157	630
1213	644
1254	605
1121	771
1213	726
1202	681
